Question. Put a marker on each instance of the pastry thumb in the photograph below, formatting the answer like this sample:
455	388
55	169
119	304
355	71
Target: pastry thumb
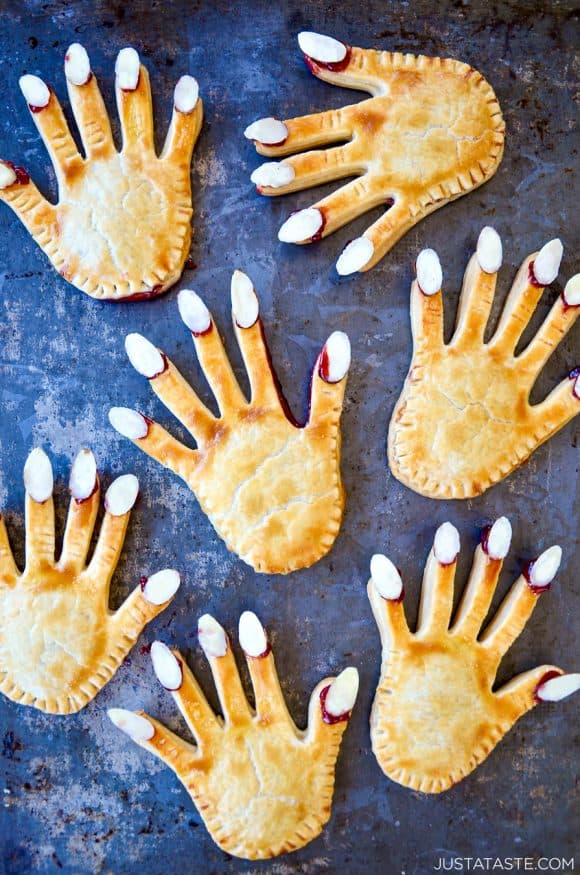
546	683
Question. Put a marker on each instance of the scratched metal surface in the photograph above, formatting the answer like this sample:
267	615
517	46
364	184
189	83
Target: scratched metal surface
78	796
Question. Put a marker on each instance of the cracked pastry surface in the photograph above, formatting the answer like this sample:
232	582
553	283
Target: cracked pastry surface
59	642
464	421
262	786
270	486
121	229
431	132
436	714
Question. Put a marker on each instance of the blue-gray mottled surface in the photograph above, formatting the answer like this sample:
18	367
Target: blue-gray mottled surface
78	796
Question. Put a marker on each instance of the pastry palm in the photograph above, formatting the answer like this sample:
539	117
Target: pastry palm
432	131
463	420
121	227
59	642
262	786
436	715
271	487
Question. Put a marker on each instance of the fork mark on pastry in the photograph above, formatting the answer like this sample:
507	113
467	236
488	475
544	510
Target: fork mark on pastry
437	682
464	420
94	235
431	132
262	786
270	486
58	610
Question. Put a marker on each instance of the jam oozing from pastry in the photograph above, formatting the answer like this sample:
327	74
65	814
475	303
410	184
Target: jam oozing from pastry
282	398
190	264
22	177
142	296
527	572
550	675
143	582
330	718
333	66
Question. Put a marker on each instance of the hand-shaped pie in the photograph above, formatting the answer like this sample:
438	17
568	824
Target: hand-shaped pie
122	226
436	714
270	486
463	420
59	642
432	131
262	786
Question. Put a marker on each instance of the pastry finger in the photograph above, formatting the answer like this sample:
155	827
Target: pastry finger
364	252
557	323
87	104
170	386
134	104
39	510
49	119
270	703
36	214
219	654
307	170
185	124
336	62
537	271
427	303
437	589
518	605
329	380
83	508
155	737
478	594
154	440
386	592
478	291
275	138
330	708
120	499
174	674
264	386
332	212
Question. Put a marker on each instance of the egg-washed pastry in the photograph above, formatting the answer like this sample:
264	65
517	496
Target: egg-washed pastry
262	786
464	419
121	229
270	486
431	132
436	714
59	642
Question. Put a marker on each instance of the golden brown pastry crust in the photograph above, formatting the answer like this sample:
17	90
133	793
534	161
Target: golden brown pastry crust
271	488
262	786
463	420
121	229
435	716
59	642
432	132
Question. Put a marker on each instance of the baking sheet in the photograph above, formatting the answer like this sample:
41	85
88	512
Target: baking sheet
78	796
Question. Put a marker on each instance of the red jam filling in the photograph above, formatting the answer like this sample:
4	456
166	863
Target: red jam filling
22	177
334	67
330	718
141	296
143	582
547	677
527	572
